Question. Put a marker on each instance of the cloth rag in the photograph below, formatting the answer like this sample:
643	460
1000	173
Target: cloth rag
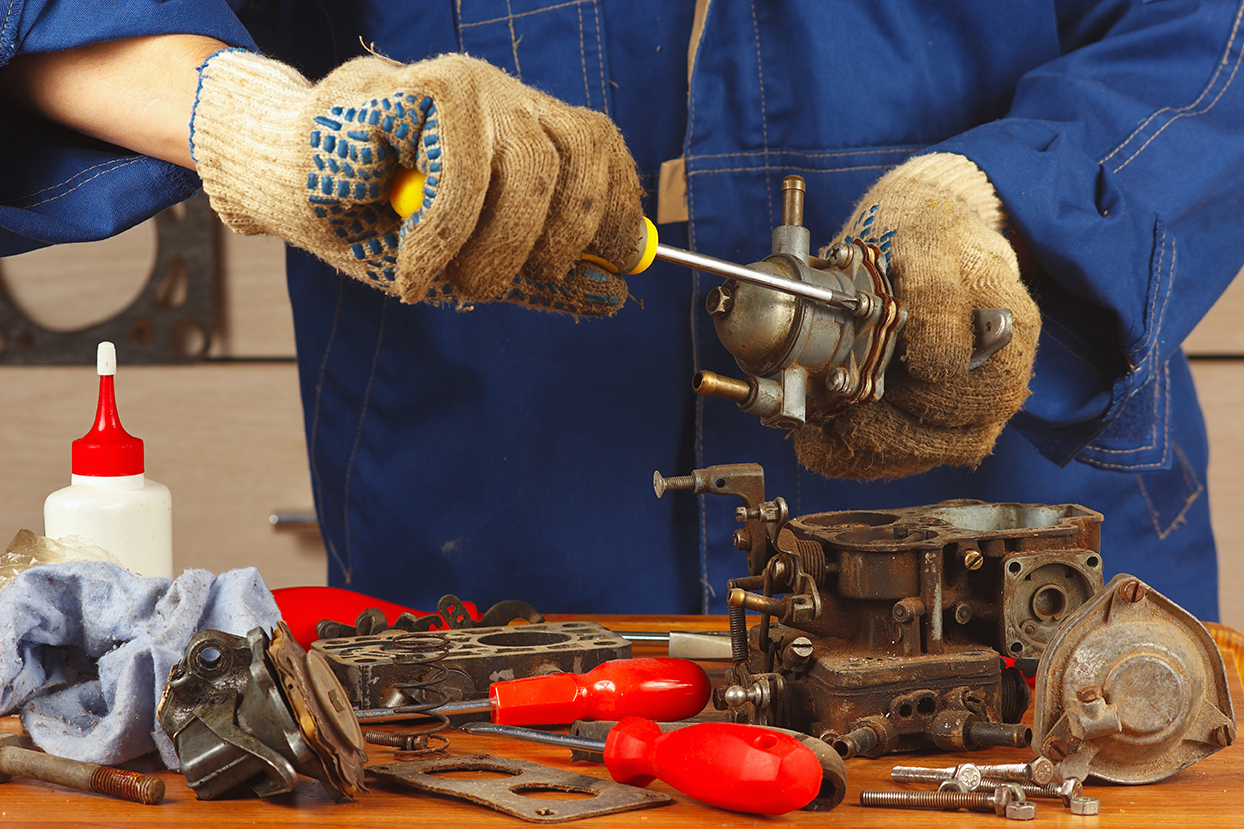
86	648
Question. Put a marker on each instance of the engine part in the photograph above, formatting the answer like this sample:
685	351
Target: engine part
833	770
513	794
997	802
1131	689
880	631
249	711
16	761
379	671
806	360
450	613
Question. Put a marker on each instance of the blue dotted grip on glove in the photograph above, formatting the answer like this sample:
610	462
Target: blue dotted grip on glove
357	152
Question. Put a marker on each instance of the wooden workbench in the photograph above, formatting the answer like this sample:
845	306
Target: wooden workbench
1205	796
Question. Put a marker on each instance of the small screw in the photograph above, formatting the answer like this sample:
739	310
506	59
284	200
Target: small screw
88	777
837	380
1224	735
1085	805
839	255
1131	591
719	301
1090	693
973	559
742	540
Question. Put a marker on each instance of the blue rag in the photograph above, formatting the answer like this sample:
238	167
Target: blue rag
86	648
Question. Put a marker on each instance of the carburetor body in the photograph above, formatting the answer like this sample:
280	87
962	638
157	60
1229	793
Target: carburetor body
882	631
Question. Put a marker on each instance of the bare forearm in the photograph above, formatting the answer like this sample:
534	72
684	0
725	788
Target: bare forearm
137	93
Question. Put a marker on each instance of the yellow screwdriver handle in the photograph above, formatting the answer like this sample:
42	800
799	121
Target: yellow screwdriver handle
406	195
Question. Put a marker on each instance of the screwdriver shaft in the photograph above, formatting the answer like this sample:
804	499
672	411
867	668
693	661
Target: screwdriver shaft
720	267
531	735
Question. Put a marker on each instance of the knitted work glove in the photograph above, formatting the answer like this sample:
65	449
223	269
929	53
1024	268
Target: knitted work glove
940	222
518	185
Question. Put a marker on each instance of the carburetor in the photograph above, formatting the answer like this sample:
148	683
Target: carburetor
882	631
813	335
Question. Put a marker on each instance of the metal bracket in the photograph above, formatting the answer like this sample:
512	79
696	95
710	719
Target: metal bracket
512	794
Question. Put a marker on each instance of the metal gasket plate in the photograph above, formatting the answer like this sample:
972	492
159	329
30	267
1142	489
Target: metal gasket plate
375	673
510	794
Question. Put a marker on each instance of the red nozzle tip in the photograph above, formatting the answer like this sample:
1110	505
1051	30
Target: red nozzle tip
107	450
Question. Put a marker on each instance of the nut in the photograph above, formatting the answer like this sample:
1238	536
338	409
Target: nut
1027	810
1005	796
1085	805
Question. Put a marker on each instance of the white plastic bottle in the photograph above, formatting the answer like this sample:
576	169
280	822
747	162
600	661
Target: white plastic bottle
111	502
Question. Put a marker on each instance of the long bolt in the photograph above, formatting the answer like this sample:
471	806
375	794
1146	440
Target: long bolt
975	801
1039	770
88	777
1065	791
966	773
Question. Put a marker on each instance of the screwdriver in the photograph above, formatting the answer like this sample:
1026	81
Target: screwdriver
730	765
406	194
660	689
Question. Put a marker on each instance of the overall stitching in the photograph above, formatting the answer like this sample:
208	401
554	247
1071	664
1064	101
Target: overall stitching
358	437
13	201
587	93
1186	111
1152	350
825	154
343	563
769	168
7	15
600	59
81	184
695	340
518	69
511	17
1191	479
1161	462
764	119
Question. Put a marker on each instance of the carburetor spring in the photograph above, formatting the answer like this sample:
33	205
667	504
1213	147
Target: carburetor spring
419	649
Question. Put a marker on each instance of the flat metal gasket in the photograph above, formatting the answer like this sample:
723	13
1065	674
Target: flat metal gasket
506	794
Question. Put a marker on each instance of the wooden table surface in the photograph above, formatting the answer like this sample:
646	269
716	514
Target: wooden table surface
1205	796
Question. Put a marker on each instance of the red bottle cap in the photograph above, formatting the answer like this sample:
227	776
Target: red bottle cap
107	450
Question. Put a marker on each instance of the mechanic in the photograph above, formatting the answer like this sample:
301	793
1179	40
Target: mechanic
1085	154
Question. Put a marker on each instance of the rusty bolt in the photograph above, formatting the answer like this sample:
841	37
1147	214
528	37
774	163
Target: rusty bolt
1002	797
1055	749
719	301
88	777
742	540
1224	735
1089	693
1070	788
1085	805
1131	591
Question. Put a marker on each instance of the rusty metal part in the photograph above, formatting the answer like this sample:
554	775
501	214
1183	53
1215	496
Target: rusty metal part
244	711
833	769
1131	689
967	774
380	671
518	793
1066	791
412	743
747	482
1026	810
880	630
16	761
1039	770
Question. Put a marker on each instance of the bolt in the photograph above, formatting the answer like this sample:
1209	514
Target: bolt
1085	805
679	482
88	777
801	647
1038	770
839	256
1021	811
963	613
742	540
1131	591
966	773
838	380
1224	735
1090	693
976	801
973	559
1065	791
719	301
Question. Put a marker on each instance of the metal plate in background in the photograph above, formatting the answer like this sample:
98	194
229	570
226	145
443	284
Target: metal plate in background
171	321
518	793
378	673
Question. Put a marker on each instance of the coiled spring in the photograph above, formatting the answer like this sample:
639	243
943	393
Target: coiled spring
425	695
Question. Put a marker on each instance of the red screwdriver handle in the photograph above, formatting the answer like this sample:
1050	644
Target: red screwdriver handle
734	766
659	689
